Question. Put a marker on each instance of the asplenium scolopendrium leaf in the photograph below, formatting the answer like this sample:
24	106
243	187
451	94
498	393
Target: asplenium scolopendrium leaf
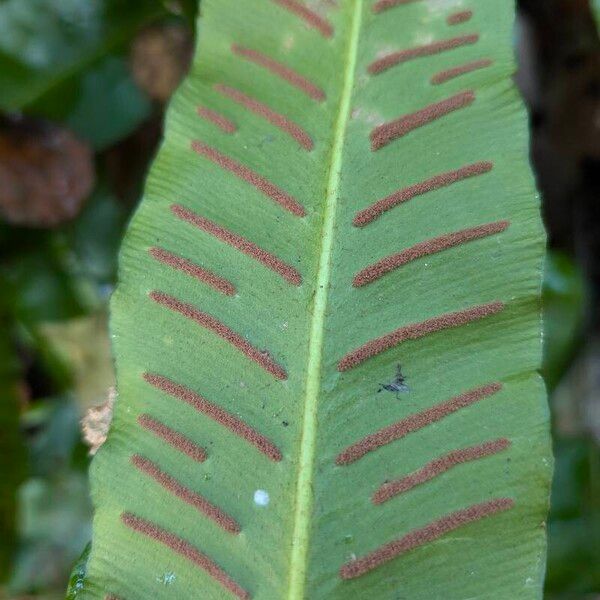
343	187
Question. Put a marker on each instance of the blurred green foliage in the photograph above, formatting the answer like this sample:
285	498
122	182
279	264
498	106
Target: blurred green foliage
574	526
55	510
563	315
12	452
573	570
49	46
122	109
63	60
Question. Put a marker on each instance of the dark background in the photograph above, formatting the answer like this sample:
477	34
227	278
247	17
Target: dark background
83	86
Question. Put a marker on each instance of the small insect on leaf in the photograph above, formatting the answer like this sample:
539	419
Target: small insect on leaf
398	385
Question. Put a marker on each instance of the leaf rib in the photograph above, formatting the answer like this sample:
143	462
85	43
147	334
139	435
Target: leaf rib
245	246
262	110
401	56
375	210
222	122
185	549
426	248
310	17
448	74
414	422
424	535
300	541
382	5
263	185
216	413
171	485
173	438
193	270
416	331
437	467
388	132
261	358
282	71
459	17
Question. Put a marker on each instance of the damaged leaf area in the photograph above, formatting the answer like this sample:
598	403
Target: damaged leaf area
96	422
343	188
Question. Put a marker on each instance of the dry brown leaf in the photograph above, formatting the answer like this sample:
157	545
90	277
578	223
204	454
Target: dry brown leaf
46	173
160	57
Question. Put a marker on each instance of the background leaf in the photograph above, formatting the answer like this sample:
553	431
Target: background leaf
122	109
12	449
46	43
563	315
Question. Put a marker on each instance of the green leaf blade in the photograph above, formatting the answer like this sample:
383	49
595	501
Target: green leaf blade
272	356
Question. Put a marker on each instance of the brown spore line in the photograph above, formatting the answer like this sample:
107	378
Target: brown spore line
437	467
426	248
261	358
382	5
216	118
173	438
220	517
310	17
282	71
459	17
193	270
424	535
369	214
185	549
216	413
384	134
270	190
401	56
262	110
412	423
454	72
289	273
416	331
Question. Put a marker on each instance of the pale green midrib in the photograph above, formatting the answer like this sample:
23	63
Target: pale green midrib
303	508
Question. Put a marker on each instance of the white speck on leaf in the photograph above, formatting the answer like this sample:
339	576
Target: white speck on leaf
261	498
441	6
422	39
370	117
166	579
385	50
288	42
